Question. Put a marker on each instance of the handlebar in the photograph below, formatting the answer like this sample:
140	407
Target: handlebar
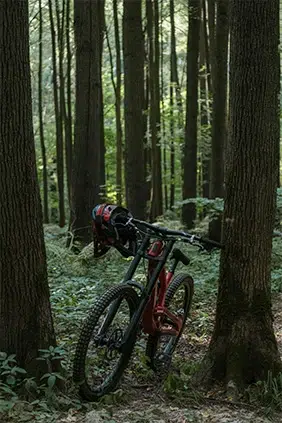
164	232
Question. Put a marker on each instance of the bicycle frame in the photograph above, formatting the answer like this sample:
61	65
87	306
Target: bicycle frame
151	310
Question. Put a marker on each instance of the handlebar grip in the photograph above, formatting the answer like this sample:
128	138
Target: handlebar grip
211	243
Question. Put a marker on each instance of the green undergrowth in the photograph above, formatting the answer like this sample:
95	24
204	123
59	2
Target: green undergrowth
76	280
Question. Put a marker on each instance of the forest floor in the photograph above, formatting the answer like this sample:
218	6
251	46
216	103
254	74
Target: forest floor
75	281
155	402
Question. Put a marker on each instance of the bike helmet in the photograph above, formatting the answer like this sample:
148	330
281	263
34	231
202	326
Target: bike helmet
110	229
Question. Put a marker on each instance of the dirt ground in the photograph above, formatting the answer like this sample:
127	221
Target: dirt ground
147	403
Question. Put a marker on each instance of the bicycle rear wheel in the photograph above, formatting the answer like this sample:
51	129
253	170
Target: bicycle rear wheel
160	347
100	360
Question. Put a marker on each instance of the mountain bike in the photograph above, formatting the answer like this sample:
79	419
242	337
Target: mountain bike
158	308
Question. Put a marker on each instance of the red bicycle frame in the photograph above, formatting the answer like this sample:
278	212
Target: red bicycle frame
156	317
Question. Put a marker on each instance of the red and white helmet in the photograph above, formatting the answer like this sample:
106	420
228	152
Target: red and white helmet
110	229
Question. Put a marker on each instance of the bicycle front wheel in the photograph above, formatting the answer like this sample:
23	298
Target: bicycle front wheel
160	347
100	360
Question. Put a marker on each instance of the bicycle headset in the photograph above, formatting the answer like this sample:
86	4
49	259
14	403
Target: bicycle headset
110	229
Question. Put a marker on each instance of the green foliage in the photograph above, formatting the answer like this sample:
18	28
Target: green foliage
267	393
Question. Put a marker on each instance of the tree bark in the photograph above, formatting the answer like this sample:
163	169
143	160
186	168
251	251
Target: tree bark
41	122
68	105
59	123
211	25
243	346
101	29
25	314
219	111
118	107
204	105
162	102
156	174
133	51
190	145
87	134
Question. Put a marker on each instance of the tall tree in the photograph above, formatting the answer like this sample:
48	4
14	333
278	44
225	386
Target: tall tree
118	106
190	144
204	110
219	110
25	314
243	347
133	51
101	30
87	133
59	121
41	121
174	84
154	86
68	105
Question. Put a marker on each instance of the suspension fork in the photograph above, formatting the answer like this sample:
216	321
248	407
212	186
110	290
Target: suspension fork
129	275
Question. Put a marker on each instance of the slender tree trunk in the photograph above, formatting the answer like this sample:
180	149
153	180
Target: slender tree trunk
153	37
59	123
172	147
68	105
41	123
87	136
190	145
219	111
174	68
211	26
205	145
243	348
25	313
118	106
207	41
101	25
146	130
162	94
133	51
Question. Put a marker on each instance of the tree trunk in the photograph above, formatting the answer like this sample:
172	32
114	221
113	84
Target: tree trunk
68	105
211	25
206	42
87	136
162	95
59	123
205	141
41	123
243	346
153	37
190	145
219	112
118	107
25	314
101	24
133	50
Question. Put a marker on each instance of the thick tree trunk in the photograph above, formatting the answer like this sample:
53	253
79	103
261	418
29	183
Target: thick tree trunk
243	346
87	136
41	122
190	144
133	50
25	314
219	111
